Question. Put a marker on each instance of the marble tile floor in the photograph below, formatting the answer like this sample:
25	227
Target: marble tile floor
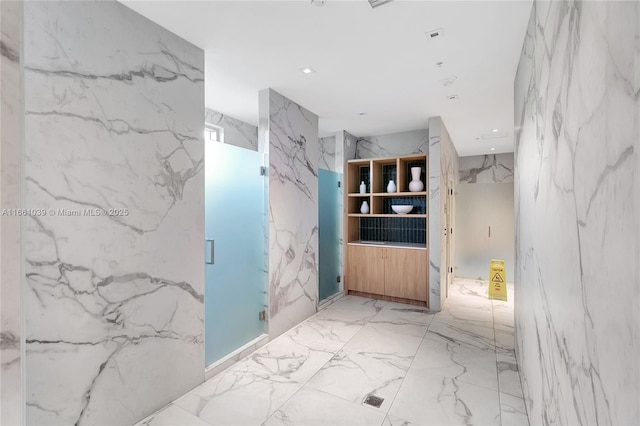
455	367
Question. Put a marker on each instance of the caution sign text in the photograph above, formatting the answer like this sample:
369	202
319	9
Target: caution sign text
498	280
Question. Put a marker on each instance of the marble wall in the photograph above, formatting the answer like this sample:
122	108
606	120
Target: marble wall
114	269
327	148
11	170
289	136
576	165
393	144
350	146
236	132
443	168
493	168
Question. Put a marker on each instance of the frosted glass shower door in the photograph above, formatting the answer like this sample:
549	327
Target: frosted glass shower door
329	212
235	276
484	228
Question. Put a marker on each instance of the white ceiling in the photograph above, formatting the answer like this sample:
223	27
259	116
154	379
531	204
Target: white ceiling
377	61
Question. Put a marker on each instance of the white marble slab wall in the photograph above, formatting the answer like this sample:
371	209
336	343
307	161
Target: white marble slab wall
350	145
393	144
491	168
114	155
236	132
327	149
576	309
290	134
11	178
443	168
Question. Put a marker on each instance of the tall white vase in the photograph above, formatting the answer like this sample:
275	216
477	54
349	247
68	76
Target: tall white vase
416	184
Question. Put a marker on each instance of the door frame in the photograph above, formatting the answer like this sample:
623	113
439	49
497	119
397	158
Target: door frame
449	209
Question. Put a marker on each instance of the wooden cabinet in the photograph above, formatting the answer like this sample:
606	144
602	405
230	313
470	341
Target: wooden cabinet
405	273
366	269
398	273
386	254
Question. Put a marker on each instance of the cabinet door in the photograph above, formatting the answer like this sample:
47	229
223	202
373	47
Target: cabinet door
365	269
405	273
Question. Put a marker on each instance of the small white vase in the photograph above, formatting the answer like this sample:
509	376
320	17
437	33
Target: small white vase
364	208
391	187
363	188
416	184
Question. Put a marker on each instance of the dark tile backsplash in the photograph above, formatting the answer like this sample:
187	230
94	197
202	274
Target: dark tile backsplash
364	177
389	172
394	229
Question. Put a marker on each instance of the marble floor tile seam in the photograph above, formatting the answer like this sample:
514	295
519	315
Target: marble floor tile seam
307	382
350	402
490	344
408	369
413	367
350	351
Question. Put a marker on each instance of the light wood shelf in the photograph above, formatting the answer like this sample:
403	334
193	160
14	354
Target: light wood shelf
387	215
400	194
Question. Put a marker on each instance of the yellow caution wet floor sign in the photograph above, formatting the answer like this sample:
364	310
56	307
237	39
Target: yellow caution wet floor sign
497	280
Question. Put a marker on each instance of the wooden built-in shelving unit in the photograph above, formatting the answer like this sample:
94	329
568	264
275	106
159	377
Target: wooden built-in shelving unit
395	269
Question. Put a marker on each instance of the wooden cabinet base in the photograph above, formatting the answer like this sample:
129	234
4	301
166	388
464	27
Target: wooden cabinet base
387	298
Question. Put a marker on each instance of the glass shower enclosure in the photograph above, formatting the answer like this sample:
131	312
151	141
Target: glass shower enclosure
235	273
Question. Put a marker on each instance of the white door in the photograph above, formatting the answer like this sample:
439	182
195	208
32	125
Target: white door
499	202
484	228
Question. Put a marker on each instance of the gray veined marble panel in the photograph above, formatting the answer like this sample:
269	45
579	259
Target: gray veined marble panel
577	296
350	146
236	132
443	169
393	144
113	303
494	168
290	134
11	178
328	151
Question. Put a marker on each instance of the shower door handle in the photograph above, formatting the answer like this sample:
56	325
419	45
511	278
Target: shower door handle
211	247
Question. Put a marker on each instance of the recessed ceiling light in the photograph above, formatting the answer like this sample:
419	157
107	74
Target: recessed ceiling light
495	130
452	97
317	2
362	113
493	135
439	64
307	70
493	149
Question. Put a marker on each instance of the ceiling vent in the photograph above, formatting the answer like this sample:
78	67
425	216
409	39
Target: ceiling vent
449	80
494	135
376	3
433	34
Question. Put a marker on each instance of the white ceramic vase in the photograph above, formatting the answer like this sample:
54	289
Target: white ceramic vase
364	208
363	188
391	187
416	184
